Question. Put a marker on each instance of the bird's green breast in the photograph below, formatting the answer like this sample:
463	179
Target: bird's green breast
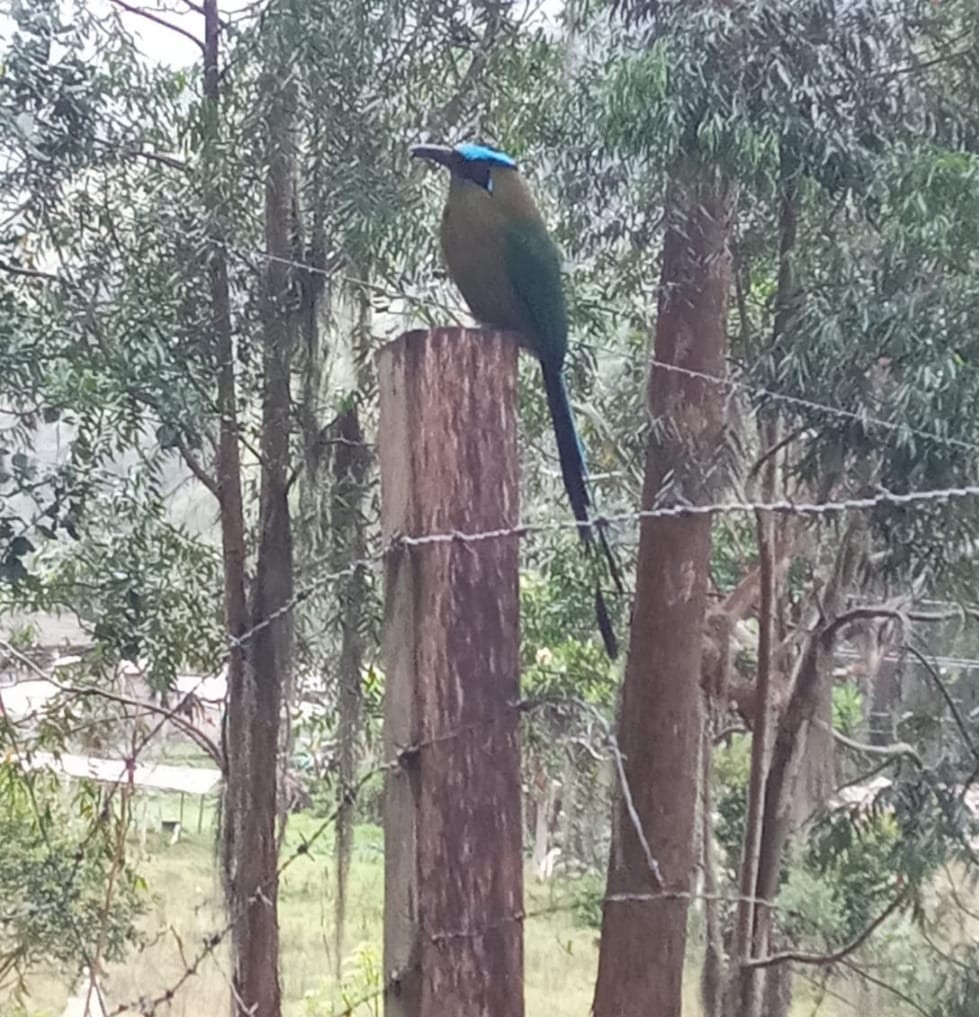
507	268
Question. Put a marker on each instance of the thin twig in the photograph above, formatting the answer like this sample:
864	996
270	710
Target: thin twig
881	984
895	751
157	20
28	273
203	741
946	695
825	959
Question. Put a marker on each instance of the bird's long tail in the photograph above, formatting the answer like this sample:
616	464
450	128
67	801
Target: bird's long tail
575	476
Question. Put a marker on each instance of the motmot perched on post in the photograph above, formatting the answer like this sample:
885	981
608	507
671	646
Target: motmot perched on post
506	265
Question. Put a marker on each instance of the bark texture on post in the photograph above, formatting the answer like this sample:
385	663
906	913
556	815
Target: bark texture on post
641	959
453	934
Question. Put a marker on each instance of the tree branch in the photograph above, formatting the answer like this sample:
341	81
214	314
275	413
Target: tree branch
881	984
935	616
156	19
164	160
195	467
825	959
170	161
890	751
861	614
726	732
90	690
198	9
186	453
449	113
864	777
946	695
773	450
191	730
28	273
959	903
740	600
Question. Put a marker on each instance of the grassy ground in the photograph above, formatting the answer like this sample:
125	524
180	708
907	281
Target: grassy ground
561	955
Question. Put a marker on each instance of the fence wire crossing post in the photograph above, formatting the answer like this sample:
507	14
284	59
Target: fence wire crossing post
453	933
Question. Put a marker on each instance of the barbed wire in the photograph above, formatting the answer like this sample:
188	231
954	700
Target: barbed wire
125	779
399	543
525	530
459	315
763	391
45	835
148	1006
837	411
152	1004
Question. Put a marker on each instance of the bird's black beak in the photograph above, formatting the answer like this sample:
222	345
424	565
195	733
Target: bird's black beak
441	154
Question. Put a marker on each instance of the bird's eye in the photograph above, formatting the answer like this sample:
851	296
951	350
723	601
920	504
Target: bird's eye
479	173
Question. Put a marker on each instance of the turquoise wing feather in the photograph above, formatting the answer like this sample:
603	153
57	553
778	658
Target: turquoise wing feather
534	270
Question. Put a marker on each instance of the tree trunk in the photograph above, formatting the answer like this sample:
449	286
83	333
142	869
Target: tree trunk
711	977
255	977
351	462
542	795
808	698
742	1001
746	984
569	804
641	959
228	462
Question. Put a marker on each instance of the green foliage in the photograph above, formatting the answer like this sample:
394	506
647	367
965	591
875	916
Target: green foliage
732	765
589	893
847	708
733	550
556	611
145	589
54	869
856	859
951	983
811	908
361	985
22	637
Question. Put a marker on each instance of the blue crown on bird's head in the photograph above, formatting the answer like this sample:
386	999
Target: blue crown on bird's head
472	152
463	154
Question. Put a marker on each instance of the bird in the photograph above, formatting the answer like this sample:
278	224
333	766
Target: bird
505	263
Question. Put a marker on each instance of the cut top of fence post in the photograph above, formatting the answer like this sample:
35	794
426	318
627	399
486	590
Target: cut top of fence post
453	939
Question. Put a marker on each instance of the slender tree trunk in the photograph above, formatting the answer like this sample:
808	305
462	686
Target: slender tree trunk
744	992
542	795
255	977
711	978
228	461
742	1000
808	697
351	463
643	943
569	799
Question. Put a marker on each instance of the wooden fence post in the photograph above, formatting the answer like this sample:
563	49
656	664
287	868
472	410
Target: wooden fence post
453	913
